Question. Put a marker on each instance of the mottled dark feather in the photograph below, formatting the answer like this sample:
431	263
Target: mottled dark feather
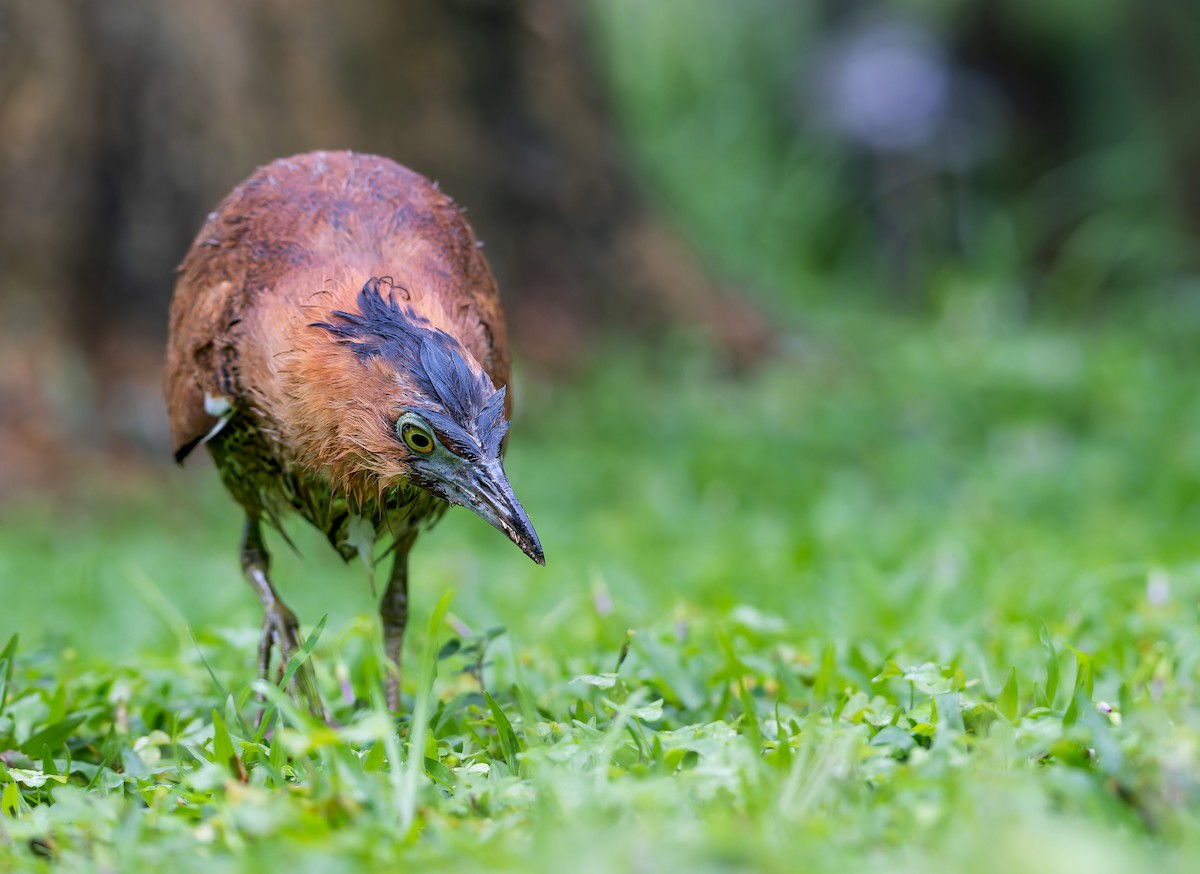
469	411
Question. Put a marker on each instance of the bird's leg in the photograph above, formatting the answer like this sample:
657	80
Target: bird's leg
393	612
280	628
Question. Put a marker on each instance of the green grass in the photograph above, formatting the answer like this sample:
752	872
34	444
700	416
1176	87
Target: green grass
915	596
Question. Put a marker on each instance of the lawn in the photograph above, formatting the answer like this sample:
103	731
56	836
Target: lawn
917	595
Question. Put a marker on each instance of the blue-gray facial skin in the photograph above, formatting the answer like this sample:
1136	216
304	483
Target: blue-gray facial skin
473	478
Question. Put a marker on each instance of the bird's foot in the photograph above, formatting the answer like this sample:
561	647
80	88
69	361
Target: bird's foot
281	631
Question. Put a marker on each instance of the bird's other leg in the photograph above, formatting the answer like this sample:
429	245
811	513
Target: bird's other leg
280	628
393	612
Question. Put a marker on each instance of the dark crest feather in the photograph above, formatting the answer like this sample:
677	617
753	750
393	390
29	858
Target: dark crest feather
492	422
465	409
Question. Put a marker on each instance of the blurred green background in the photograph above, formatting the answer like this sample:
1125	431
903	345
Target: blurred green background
848	335
1005	188
813	148
772	267
765	262
722	167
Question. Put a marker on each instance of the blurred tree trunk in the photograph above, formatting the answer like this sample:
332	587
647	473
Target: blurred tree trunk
125	121
1165	35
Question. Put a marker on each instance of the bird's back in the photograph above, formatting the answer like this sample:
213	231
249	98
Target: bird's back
298	239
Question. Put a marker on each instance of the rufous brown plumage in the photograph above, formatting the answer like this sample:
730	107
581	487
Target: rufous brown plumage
337	342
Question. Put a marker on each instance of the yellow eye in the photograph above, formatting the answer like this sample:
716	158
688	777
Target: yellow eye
417	438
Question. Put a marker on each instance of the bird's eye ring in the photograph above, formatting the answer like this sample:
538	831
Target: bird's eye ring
416	438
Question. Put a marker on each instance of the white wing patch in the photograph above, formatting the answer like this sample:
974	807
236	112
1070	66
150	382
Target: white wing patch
222	408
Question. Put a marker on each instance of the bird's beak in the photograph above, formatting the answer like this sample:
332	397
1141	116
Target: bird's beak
484	489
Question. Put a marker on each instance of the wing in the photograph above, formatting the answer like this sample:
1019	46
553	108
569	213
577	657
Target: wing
199	358
244	246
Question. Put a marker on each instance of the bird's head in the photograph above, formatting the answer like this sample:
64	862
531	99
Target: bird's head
425	413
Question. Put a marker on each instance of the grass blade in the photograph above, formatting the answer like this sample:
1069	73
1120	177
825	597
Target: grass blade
1051	664
419	726
224	752
1006	703
6	668
508	738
